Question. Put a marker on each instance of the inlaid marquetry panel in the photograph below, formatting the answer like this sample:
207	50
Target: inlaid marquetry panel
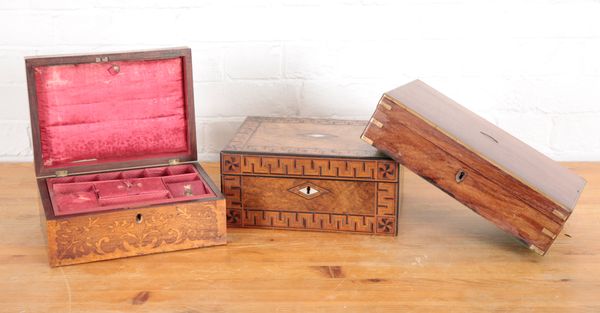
308	174
387	198
329	205
334	196
132	232
309	167
309	221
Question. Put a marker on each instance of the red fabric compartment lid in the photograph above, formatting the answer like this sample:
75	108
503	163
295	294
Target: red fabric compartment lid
109	112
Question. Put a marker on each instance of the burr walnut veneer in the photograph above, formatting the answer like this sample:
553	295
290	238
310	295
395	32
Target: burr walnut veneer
308	174
115	156
496	175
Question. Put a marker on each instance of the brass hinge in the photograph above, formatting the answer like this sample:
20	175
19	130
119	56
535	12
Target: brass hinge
62	173
174	161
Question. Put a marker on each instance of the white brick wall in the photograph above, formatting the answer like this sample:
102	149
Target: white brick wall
532	67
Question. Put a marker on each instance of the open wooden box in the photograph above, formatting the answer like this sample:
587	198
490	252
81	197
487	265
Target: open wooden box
115	156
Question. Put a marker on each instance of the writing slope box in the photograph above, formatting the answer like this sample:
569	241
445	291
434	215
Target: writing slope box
496	175
115	156
308	174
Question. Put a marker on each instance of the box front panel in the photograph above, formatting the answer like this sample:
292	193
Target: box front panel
346	195
309	195
110	235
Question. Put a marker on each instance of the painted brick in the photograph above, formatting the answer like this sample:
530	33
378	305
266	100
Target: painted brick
217	133
14	104
15	139
326	98
576	132
242	98
207	63
12	65
253	61
26	28
537	77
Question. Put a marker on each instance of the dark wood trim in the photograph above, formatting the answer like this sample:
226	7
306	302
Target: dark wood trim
63	59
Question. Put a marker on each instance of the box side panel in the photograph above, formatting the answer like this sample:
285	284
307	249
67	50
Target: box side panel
473	188
133	232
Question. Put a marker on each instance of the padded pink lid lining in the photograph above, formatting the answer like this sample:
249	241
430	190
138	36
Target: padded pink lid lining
110	112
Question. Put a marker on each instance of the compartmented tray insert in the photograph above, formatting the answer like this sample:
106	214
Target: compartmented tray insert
111	190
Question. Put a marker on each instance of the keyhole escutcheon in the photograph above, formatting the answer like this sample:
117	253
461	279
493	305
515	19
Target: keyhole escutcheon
460	175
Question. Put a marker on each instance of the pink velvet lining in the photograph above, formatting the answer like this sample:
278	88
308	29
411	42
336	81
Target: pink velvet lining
112	190
112	111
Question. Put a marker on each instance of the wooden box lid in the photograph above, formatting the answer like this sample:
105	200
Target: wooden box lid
302	137
95	112
495	174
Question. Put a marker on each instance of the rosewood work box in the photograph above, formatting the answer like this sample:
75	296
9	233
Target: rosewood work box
496	175
309	174
115	156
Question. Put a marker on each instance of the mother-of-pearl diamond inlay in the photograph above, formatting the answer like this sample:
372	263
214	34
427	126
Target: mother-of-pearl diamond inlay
308	190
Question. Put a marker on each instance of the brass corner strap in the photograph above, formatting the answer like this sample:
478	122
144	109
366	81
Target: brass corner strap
366	139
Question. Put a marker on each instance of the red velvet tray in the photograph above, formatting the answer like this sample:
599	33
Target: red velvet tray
107	114
111	190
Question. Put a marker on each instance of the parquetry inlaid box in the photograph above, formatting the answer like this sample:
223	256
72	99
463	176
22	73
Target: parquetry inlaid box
496	175
115	156
308	174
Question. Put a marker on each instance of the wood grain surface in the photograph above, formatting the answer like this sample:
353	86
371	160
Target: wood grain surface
301	136
445	259
270	160
508	153
475	172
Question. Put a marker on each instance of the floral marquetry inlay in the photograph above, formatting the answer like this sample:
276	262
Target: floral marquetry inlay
386	225
230	163
132	230
386	170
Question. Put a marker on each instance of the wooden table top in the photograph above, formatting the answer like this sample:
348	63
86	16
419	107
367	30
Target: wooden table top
445	258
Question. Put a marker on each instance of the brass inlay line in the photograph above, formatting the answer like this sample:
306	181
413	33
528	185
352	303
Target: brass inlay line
366	139
548	233
376	123
537	250
559	214
386	106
